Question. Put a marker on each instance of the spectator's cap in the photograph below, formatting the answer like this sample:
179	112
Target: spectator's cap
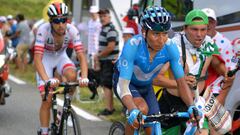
210	13
128	30
94	9
104	11
9	17
3	19
196	13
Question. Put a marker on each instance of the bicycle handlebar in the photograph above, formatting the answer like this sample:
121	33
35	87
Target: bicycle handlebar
63	84
160	117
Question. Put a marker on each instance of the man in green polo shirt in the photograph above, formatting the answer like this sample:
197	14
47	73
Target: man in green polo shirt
199	51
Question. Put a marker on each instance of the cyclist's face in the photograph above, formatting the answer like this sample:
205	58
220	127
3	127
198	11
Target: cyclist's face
196	34
156	39
59	24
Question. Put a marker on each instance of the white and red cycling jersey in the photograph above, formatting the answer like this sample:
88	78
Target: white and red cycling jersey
53	55
45	43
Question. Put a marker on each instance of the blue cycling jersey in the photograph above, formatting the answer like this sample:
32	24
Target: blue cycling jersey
134	63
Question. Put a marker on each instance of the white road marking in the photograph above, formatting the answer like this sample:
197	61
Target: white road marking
81	112
16	80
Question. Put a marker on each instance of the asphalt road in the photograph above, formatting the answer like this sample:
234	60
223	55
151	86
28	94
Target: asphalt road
19	116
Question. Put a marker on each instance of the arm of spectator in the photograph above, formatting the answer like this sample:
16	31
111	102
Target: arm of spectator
110	47
163	81
218	66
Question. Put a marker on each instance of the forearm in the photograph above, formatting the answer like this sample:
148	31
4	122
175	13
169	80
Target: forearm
184	91
83	64
218	66
128	102
40	68
105	52
162	81
108	50
125	94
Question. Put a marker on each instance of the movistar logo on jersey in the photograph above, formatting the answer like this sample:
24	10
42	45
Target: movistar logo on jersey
136	41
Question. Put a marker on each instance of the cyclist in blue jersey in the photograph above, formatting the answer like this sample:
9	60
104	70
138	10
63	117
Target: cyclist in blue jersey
141	60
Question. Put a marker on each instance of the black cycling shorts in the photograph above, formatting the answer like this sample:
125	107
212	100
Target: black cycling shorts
106	73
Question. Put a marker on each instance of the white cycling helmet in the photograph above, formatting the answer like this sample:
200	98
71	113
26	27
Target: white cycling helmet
57	9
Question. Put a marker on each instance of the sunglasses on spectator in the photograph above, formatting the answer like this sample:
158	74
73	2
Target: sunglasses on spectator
59	20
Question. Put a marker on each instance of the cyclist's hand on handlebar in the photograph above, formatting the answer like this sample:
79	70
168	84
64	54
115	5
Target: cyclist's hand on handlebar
54	82
134	116
83	82
195	114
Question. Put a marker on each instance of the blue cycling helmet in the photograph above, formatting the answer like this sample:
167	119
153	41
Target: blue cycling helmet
155	18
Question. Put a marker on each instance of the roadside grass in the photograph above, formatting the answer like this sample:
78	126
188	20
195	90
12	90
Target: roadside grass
94	106
30	8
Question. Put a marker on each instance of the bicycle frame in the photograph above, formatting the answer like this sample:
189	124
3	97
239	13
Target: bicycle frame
56	125
65	109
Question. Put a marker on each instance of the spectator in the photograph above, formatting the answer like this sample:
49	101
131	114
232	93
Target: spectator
128	32
1	37
236	46
108	49
224	45
130	20
23	33
200	51
94	28
13	28
4	29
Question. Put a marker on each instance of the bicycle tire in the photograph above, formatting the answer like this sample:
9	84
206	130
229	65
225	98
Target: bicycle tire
64	129
117	128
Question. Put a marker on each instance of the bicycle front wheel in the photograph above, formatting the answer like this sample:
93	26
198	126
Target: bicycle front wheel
117	128
70	124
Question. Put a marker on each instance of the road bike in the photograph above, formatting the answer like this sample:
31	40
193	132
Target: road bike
154	121
60	126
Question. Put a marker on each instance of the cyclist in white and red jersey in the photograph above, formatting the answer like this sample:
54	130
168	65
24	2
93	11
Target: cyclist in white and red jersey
50	47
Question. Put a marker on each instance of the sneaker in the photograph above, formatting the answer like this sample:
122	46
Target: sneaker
106	112
69	122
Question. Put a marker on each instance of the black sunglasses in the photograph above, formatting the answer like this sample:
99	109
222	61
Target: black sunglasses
59	20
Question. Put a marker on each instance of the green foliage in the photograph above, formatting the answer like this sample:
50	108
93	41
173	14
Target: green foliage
32	9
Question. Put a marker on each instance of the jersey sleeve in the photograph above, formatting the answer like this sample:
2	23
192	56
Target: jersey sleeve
40	40
112	35
76	40
126	60
174	58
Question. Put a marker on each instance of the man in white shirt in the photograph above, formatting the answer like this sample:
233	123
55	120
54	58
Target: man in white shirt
94	28
224	45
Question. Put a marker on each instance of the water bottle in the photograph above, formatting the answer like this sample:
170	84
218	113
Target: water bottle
59	116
